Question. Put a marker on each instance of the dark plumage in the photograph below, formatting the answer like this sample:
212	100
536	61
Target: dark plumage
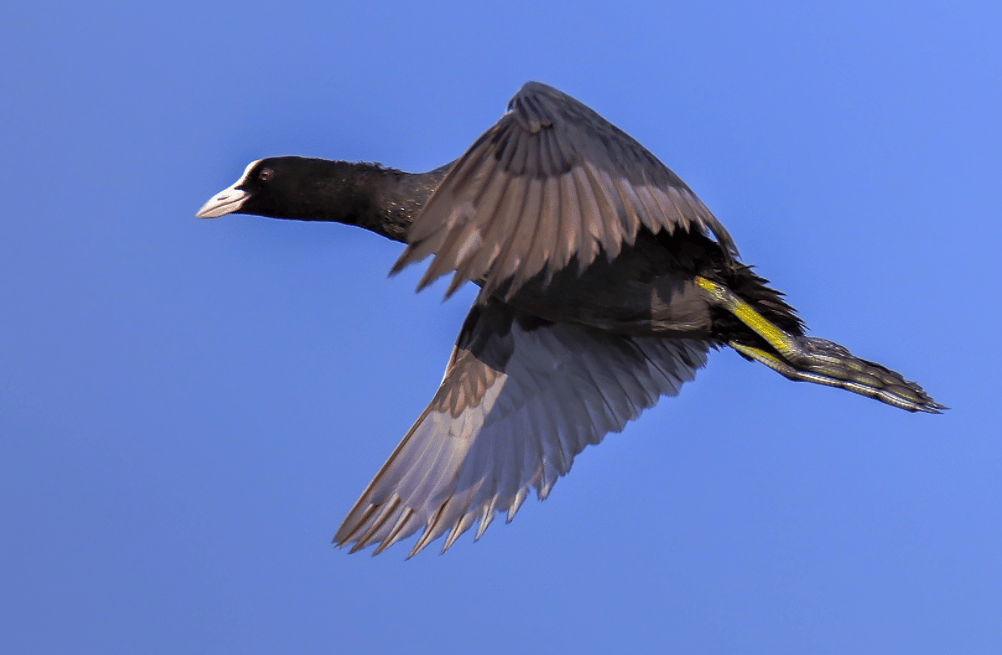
604	282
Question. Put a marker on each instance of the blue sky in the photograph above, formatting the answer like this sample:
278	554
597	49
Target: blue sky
189	408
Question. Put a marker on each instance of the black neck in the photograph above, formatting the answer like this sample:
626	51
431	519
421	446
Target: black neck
383	200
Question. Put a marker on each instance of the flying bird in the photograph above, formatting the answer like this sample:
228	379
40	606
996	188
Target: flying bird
604	282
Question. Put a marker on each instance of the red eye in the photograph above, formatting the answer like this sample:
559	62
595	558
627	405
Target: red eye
265	174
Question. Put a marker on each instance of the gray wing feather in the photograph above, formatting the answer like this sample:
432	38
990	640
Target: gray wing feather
519	400
550	182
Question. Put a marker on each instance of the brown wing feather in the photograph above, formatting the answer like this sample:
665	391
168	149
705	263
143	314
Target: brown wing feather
519	400
609	185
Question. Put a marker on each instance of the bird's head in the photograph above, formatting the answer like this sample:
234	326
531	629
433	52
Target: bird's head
278	187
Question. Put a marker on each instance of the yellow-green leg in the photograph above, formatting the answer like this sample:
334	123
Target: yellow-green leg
810	359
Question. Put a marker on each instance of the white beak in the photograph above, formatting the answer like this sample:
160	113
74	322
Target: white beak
229	199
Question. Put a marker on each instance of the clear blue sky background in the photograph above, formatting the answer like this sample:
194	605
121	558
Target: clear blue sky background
189	408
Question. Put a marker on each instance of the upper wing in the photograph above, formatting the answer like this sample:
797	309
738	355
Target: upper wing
520	398
551	181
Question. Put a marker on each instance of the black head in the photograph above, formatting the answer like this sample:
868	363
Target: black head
286	187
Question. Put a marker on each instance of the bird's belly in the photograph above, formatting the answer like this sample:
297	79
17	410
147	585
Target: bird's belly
665	305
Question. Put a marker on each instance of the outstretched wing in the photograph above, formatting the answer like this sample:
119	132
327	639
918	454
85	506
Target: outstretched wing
552	181
520	398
